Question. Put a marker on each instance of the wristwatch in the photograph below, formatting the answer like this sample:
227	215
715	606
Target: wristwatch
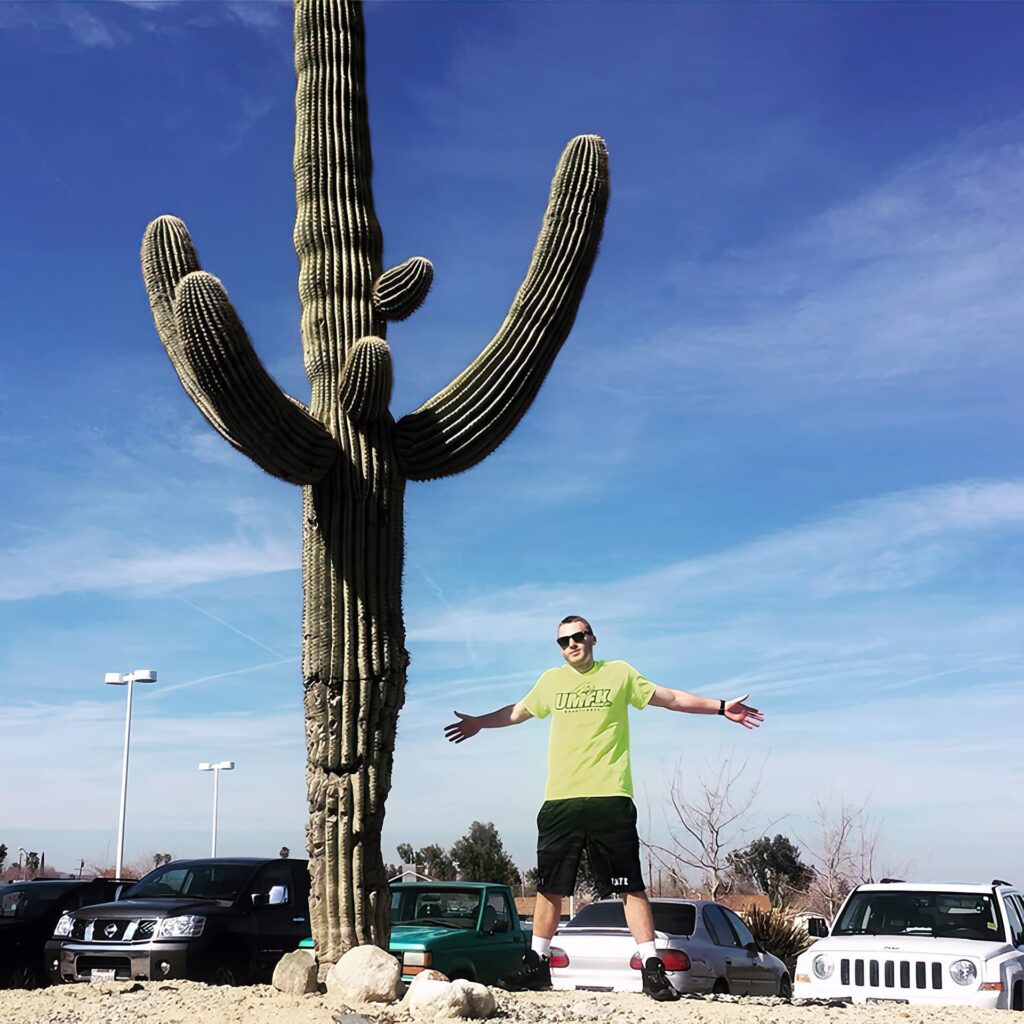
721	706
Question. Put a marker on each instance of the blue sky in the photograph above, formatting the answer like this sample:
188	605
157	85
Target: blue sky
779	452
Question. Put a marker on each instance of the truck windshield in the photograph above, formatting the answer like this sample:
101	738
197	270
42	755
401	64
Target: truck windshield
451	908
947	915
221	881
26	902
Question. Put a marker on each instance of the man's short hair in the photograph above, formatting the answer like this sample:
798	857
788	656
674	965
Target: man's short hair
577	618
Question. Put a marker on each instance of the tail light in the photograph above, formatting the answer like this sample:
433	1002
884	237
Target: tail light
557	957
673	959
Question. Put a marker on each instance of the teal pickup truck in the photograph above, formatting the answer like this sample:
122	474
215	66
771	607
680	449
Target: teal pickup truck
462	929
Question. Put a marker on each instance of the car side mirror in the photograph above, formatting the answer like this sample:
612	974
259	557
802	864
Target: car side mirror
753	948
278	895
817	928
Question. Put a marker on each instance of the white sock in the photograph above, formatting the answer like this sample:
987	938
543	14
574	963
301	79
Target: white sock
646	951
543	946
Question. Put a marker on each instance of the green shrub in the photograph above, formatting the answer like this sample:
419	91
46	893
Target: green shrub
777	932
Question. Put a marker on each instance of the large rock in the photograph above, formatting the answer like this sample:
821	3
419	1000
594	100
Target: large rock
295	973
365	974
432	996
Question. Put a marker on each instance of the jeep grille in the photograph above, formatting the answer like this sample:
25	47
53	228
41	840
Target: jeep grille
892	974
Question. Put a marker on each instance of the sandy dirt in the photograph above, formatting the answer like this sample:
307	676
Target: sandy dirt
192	1003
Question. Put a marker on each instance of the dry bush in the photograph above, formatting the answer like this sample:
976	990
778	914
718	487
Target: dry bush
777	932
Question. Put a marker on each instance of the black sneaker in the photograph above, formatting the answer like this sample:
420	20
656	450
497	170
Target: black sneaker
656	983
533	976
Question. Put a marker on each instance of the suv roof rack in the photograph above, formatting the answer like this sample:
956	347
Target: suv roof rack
886	881
999	881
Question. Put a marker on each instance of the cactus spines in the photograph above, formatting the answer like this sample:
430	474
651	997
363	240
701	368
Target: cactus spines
348	453
366	380
400	291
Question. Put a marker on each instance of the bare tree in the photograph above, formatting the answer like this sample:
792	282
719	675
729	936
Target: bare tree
845	852
704	817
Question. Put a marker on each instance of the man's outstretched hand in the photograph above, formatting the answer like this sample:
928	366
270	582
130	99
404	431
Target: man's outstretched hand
737	711
466	727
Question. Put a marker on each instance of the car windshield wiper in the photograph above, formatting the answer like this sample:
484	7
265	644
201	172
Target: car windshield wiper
432	920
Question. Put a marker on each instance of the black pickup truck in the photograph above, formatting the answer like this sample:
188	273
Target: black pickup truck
223	920
28	913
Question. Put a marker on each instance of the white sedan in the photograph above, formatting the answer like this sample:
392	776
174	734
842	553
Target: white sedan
704	945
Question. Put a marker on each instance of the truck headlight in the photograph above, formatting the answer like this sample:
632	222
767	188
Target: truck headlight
415	958
822	966
963	972
187	926
63	929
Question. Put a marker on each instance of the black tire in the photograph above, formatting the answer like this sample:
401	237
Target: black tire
224	971
721	987
19	976
1017	1003
785	987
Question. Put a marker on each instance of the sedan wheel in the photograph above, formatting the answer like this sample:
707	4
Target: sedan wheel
785	987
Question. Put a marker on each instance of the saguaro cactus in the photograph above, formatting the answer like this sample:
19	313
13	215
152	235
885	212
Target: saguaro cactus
348	453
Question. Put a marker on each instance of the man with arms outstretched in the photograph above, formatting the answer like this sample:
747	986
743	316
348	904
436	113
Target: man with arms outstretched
589	796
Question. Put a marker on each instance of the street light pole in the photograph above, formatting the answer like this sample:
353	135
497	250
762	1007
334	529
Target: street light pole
140	675
216	767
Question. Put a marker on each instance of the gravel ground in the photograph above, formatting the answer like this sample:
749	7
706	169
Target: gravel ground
184	1002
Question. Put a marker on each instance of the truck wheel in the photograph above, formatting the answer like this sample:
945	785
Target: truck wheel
224	971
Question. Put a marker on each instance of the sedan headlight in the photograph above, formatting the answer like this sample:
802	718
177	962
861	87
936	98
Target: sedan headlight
63	928
187	926
963	972
822	966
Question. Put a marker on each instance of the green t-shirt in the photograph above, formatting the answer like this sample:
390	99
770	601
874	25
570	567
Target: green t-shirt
588	754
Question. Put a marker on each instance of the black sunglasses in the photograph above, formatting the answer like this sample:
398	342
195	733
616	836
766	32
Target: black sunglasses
563	641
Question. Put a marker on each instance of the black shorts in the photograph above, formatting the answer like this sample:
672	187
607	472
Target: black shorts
606	825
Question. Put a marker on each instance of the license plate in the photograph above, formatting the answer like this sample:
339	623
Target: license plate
594	988
882	999
103	974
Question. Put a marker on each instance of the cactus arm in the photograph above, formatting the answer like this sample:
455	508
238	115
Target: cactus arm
467	420
400	291
214	360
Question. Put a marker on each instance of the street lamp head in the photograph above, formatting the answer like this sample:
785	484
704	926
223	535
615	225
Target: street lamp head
225	765
140	675
205	766
213	766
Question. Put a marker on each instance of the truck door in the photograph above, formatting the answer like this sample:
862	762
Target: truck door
280	915
502	944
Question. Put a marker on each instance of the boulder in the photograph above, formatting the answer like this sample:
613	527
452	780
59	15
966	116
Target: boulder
365	974
295	973
432	996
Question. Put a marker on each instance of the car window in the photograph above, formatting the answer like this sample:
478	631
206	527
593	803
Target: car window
450	908
743	933
1018	902
1014	920
215	881
605	914
496	914
674	918
944	914
718	927
278	873
29	901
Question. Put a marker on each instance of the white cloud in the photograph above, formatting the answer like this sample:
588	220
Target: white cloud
915	275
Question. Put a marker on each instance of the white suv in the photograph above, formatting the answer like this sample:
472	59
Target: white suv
921	942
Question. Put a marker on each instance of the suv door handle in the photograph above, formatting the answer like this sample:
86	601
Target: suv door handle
297	920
